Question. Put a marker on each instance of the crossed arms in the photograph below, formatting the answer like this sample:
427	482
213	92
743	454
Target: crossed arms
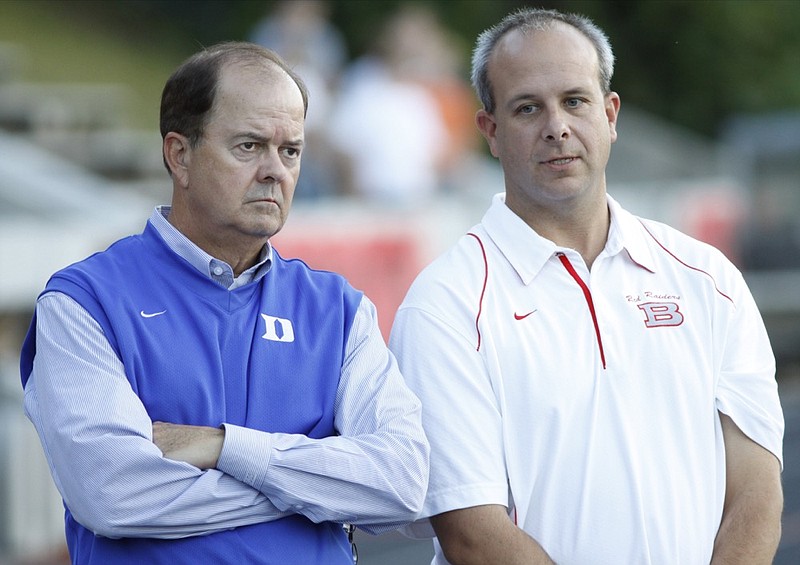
106	456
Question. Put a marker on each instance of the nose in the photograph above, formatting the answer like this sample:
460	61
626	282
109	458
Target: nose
271	169
555	128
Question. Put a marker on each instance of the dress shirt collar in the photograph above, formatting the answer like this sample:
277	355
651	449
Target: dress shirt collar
213	268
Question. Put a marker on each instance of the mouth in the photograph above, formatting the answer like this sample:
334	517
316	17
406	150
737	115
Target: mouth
560	161
264	207
264	201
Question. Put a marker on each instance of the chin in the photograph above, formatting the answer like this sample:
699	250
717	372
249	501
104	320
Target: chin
271	229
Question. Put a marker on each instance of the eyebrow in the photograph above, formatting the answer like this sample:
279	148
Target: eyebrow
258	138
577	91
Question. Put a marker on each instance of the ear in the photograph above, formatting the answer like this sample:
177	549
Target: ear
612	111
488	128
177	153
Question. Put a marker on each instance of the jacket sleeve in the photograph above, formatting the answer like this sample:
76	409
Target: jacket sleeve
97	439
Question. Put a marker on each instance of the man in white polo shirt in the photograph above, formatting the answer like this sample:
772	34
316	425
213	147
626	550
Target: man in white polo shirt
597	388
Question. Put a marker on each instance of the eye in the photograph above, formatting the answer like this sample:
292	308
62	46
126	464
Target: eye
527	109
249	146
291	152
573	102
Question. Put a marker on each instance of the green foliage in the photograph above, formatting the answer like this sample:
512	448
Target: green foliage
692	62
696	63
69	42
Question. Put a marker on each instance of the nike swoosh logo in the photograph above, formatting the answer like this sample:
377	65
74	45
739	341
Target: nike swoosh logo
523	316
153	315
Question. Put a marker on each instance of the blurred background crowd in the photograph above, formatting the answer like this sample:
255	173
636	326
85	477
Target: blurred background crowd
394	170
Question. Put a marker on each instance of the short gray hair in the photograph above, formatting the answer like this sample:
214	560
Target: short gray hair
537	20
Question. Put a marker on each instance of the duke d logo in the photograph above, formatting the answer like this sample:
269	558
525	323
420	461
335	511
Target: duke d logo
278	329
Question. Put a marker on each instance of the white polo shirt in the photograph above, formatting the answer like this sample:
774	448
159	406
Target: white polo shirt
592	397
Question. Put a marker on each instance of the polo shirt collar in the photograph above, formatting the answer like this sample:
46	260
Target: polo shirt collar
628	233
528	252
525	250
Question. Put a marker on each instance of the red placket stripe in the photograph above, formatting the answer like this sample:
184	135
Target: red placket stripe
588	296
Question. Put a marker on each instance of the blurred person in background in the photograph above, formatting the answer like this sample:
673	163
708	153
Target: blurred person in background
198	397
301	32
428	55
596	387
387	125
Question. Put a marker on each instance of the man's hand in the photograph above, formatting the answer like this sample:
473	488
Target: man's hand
197	445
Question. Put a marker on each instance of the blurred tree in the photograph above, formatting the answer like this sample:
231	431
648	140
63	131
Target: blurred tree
697	62
694	62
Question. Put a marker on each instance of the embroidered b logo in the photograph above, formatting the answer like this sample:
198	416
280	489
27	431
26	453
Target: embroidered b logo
661	314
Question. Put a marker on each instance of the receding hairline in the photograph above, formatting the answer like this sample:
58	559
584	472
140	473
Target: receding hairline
529	31
244	54
273	69
531	20
264	67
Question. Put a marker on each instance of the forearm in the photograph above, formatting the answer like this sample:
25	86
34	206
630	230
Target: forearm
374	474
748	535
214	502
371	479
199	446
484	535
751	519
517	548
132	491
374	479
750	530
366	479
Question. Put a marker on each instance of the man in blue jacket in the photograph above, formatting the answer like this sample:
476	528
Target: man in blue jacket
197	395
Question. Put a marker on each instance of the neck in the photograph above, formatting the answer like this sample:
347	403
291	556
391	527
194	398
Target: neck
239	252
582	228
587	239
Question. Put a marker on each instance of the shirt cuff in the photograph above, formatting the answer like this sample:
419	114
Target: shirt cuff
245	455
